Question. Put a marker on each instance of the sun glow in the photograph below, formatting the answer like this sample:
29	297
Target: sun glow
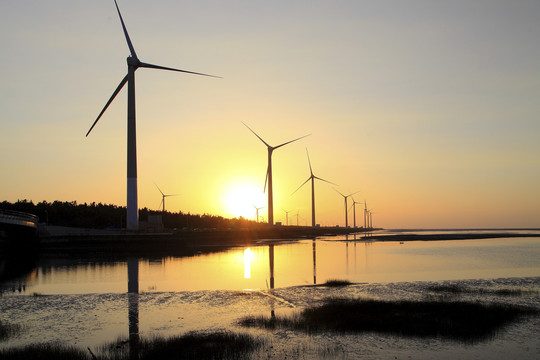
241	199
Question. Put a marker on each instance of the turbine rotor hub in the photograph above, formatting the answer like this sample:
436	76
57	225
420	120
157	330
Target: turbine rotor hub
133	61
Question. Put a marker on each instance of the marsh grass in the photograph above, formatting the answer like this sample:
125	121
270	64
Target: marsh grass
222	345
215	346
461	321
337	283
8	330
43	352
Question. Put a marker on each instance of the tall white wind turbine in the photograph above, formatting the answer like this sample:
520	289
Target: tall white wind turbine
345	198
133	63
269	173
312	178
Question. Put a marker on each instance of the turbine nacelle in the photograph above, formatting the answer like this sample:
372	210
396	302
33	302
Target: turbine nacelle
133	61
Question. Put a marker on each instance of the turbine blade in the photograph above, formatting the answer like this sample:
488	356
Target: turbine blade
309	162
130	45
338	192
353	193
288	142
159	189
152	66
266	179
118	88
309	178
258	137
318	178
161	202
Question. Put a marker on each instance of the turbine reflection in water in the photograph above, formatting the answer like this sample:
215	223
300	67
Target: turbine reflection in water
133	319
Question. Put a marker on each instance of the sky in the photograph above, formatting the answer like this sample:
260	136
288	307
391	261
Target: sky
428	110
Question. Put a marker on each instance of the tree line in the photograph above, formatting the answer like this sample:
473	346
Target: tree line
99	216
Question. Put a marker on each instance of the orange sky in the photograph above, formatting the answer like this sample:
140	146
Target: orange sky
428	110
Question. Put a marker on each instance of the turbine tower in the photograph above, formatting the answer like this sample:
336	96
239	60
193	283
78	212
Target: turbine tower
269	173
312	178
133	63
163	198
345	198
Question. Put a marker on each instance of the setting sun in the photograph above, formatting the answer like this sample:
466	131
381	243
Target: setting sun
240	199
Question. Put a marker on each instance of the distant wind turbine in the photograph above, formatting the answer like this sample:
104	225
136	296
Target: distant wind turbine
257	210
287	215
163	198
312	178
133	64
345	198
354	209
269	173
370	219
365	215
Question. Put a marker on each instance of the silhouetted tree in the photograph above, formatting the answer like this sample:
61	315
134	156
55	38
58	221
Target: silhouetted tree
93	215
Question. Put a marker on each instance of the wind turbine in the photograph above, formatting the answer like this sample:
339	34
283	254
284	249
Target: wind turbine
133	63
269	173
257	210
354	209
345	198
287	215
365	215
312	178
370	219
163	198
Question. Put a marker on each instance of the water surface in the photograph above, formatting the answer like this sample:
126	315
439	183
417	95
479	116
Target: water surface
289	264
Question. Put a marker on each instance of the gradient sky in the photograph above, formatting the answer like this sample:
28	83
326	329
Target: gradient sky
430	109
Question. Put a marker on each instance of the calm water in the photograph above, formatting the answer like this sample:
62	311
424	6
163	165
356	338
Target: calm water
284	265
85	302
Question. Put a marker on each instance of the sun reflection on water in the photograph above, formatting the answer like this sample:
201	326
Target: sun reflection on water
247	263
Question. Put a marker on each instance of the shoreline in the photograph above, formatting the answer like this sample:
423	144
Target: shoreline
183	243
180	242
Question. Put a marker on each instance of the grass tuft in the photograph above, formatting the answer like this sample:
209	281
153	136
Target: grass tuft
215	346
43	352
219	345
337	283
8	330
